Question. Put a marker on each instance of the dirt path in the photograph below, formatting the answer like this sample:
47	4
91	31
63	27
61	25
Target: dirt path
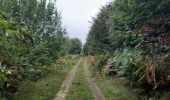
67	83
94	88
69	79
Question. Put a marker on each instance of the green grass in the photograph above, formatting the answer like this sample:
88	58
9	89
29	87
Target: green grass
43	89
114	89
80	89
165	96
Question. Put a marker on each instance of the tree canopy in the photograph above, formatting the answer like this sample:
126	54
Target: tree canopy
31	40
136	32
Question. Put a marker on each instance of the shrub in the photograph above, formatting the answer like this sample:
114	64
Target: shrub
129	63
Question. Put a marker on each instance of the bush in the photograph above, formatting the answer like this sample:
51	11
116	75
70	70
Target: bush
9	78
102	60
129	62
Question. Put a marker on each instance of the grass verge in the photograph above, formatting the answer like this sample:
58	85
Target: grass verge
80	89
45	88
114	89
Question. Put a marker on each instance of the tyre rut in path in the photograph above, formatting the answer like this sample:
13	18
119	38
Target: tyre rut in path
67	83
94	88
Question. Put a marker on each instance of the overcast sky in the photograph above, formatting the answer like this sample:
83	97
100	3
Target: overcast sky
76	15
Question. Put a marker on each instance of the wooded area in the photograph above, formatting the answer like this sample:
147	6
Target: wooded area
128	39
32	42
136	34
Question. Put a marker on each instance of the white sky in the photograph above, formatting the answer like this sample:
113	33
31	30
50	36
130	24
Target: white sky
76	14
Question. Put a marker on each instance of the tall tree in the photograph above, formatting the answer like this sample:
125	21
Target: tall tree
98	37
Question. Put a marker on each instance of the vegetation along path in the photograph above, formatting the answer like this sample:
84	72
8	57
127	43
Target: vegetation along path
79	85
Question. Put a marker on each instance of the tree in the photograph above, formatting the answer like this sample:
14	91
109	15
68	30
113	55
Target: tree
85	49
75	46
98	37
31	39
135	27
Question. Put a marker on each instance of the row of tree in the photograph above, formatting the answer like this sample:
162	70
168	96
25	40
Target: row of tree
31	40
137	33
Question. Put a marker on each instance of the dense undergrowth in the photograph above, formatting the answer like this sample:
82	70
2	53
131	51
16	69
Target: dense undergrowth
46	87
136	34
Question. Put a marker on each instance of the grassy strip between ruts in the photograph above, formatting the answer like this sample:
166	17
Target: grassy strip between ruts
45	88
80	89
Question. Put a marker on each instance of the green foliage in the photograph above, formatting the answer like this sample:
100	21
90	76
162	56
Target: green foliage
32	38
132	30
46	87
75	46
85	49
98	38
129	63
8	79
115	23
102	61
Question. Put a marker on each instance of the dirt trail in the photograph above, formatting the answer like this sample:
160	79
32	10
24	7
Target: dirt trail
69	79
67	83
95	89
